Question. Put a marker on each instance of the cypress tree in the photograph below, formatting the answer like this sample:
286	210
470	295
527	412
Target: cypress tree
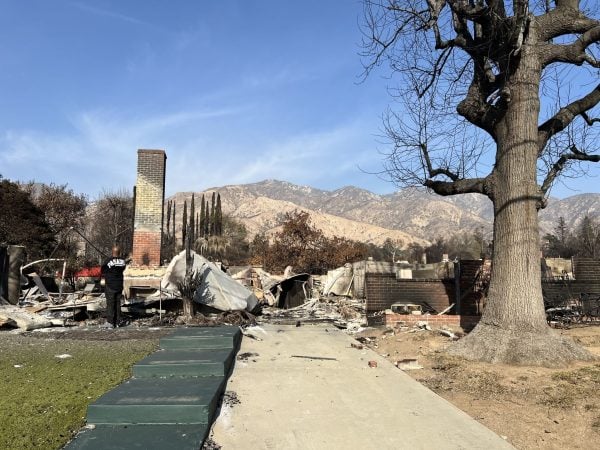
192	220
219	217
206	220
212	215
174	204
202	217
197	226
184	224
168	217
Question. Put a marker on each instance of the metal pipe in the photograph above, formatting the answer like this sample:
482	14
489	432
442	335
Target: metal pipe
62	280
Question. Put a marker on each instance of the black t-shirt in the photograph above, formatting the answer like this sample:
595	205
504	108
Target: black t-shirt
112	271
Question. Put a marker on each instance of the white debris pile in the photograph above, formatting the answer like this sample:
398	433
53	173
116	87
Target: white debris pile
218	290
345	313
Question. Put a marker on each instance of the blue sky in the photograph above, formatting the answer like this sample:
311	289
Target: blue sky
234	91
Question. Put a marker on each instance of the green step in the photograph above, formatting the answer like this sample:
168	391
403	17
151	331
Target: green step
202	338
185	363
143	437
158	401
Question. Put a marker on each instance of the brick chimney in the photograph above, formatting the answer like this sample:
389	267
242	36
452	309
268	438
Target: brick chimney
149	200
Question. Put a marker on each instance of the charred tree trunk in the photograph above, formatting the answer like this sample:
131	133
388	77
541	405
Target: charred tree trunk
189	307
513	327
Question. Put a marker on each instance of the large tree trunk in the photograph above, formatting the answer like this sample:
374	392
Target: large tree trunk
513	327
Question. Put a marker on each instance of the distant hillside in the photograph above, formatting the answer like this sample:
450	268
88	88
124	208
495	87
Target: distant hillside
410	214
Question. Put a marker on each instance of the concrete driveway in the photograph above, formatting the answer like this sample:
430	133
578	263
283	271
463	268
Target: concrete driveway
290	402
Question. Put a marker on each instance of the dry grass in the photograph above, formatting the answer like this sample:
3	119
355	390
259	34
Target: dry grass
534	407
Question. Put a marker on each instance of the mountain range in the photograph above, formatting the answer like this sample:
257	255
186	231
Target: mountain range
410	215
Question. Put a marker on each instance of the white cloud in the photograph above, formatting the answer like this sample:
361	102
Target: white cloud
205	147
100	153
107	13
321	158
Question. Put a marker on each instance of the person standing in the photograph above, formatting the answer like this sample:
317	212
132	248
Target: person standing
112	272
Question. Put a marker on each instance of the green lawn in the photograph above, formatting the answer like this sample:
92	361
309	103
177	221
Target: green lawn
43	402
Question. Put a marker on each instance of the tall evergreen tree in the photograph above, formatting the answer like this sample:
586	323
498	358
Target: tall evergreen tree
173	221
588	238
196	235
219	217
202	217
168	218
184	223
206	220
212	214
192	220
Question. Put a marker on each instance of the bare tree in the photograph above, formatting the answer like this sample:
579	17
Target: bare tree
492	80
110	221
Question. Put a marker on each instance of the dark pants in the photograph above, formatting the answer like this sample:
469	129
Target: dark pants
113	306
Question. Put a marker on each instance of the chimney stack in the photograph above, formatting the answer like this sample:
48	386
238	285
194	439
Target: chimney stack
149	201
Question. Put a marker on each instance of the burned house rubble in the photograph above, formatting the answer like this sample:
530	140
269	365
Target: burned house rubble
36	294
350	297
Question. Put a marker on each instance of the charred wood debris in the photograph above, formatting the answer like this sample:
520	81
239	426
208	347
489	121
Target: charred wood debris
47	301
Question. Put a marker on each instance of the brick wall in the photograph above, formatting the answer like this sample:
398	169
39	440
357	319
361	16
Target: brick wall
587	281
149	200
586	269
554	290
382	290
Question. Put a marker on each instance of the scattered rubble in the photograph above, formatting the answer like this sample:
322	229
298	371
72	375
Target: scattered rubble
231	399
344	313
209	444
246	356
247	298
408	364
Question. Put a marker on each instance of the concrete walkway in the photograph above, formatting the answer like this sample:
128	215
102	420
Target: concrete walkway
298	403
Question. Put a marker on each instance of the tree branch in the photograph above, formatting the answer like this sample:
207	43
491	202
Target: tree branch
457	185
475	108
565	19
574	53
565	116
431	172
589	120
573	155
462	186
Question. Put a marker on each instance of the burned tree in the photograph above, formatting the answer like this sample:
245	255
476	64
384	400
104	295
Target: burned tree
483	82
110	221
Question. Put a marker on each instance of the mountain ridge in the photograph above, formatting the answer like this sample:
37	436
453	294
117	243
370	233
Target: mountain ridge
411	215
